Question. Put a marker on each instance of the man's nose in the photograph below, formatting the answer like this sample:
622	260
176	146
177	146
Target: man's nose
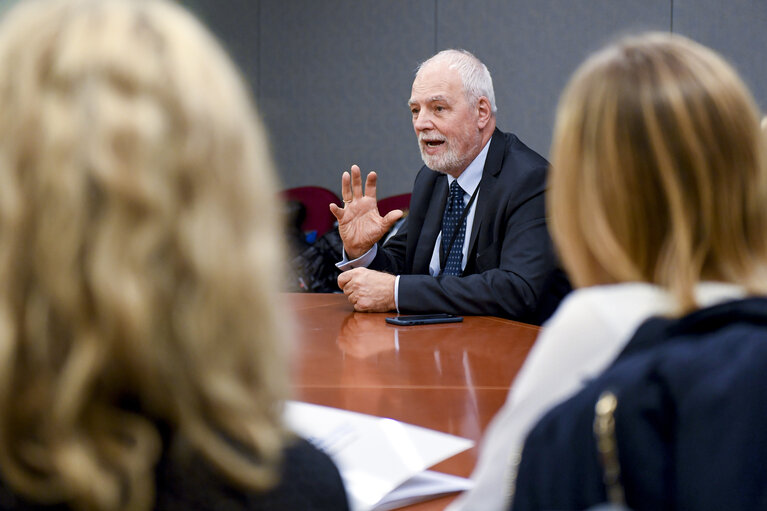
422	122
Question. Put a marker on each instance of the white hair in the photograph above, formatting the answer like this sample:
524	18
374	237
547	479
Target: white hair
475	77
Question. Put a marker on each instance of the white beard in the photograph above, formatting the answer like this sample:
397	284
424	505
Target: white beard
446	162
449	161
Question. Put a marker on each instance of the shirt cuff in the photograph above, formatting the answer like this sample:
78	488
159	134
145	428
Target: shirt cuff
362	261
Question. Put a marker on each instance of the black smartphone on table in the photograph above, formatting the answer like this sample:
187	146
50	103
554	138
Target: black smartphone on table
424	319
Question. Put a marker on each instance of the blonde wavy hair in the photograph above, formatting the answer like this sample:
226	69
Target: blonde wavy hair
139	255
658	170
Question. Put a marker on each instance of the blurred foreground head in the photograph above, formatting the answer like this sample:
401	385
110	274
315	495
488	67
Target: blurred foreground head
659	170
139	254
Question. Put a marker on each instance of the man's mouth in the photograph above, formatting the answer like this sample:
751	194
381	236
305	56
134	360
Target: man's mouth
432	141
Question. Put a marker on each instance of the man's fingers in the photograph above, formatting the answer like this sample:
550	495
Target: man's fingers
351	184
356	182
346	187
391	217
337	212
344	278
370	185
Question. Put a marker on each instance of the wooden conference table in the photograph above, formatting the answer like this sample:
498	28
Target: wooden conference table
448	377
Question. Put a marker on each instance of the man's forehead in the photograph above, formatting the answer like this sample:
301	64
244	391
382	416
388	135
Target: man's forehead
436	83
429	99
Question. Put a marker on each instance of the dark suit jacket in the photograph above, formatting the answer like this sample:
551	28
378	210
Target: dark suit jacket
689	424
511	269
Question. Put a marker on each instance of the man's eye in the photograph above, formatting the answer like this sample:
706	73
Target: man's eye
414	111
439	108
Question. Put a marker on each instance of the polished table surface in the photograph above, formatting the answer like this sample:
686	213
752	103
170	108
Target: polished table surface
451	377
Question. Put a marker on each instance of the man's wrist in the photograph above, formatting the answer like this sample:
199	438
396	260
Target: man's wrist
362	261
356	253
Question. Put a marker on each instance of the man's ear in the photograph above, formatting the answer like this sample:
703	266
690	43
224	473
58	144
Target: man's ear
484	112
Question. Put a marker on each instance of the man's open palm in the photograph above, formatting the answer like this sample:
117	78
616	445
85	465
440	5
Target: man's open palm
359	223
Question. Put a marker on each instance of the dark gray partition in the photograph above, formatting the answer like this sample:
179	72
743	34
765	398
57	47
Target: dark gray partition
736	28
237	25
335	79
531	48
332	77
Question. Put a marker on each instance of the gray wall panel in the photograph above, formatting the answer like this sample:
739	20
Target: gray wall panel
332	77
531	48
737	29
237	27
335	79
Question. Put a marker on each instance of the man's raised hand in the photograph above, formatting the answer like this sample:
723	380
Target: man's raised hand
359	223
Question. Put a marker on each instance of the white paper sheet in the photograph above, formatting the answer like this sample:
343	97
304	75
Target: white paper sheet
423	486
376	456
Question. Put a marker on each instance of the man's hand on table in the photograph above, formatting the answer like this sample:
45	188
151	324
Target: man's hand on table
368	290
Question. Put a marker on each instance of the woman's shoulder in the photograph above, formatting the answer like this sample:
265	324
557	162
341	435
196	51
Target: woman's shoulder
309	480
612	297
588	330
612	309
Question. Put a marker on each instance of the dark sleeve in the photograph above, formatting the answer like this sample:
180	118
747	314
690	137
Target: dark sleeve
559	467
308	481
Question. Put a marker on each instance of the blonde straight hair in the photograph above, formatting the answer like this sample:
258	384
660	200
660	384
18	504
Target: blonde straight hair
139	255
658	170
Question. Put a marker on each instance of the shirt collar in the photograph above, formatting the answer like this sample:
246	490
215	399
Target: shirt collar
470	178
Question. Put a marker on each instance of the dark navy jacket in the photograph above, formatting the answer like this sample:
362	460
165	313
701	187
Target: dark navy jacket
690	423
511	269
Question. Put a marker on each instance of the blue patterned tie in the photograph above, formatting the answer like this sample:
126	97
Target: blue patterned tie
450	219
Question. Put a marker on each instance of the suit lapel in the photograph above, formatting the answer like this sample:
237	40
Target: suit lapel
431	226
493	165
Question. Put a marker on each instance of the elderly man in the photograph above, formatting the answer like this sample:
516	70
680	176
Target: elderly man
475	241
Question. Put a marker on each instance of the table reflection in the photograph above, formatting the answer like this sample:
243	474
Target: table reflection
424	355
363	335
448	377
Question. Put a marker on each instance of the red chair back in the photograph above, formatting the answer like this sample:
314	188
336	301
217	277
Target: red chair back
317	201
387	204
